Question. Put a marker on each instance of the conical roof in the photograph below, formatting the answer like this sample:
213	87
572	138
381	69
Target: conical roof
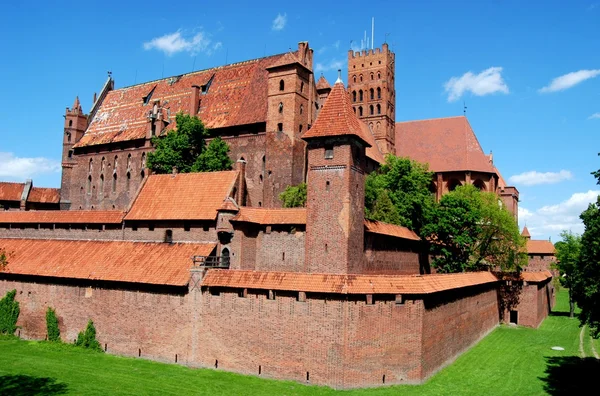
322	83
526	233
76	104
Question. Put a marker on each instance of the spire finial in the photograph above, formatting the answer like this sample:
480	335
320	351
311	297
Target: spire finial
339	79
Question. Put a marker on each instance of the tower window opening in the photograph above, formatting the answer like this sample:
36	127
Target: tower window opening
372	76
371	109
360	78
280	127
281	85
70	153
360	111
89	185
70	123
353	78
327	184
280	107
360	95
300	129
301	109
378	93
378	109
353	96
68	137
372	93
302	86
329	152
114	183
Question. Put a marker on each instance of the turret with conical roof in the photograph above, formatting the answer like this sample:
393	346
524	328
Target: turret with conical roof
525	234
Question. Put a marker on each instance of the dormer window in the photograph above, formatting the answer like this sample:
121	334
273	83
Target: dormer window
329	151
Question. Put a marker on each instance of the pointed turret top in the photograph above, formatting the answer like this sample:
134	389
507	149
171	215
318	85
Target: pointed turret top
322	83
526	233
337	118
76	104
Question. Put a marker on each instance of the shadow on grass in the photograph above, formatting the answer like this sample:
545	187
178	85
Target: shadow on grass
560	313
17	385
570	375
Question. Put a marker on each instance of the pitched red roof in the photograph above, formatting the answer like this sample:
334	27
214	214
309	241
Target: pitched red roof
184	196
536	246
44	195
62	216
536	277
378	227
446	144
229	205
11	191
525	233
237	95
345	284
337	118
120	261
271	216
323	83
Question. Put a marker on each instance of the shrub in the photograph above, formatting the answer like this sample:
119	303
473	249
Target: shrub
87	338
52	325
9	313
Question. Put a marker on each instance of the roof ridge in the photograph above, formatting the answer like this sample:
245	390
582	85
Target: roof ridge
429	119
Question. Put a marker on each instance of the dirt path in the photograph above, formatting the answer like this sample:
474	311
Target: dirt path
581	335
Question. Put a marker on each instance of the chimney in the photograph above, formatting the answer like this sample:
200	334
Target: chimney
25	194
195	99
174	171
240	195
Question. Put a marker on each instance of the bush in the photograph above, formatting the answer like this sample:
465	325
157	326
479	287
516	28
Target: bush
9	313
52	325
87	338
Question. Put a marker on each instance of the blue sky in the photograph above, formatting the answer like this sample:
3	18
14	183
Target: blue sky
529	73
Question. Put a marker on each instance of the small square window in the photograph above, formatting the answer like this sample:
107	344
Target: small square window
186	226
328	151
280	127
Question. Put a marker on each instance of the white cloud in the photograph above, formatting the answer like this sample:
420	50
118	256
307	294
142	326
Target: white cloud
569	80
593	116
279	22
173	43
552	219
532	178
21	168
333	64
487	82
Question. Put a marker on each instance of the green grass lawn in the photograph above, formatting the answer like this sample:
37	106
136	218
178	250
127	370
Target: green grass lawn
510	361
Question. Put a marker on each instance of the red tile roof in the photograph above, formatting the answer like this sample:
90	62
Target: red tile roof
229	205
536	277
271	216
535	246
237	95
323	83
136	262
337	118
446	144
345	284
44	195
189	196
525	233
378	227
11	191
62	216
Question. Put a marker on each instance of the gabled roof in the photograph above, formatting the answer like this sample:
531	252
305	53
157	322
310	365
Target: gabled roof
184	196
345	284
119	261
379	227
44	195
229	205
536	246
62	217
446	144
322	83
236	95
11	191
536	277
525	233
271	216
337	118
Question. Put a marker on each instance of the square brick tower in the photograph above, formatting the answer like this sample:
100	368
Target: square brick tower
371	89
335	204
75	125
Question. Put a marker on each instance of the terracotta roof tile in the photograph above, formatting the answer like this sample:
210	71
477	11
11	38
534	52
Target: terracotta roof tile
62	216
345	284
237	95
536	246
323	83
189	196
378	227
525	233
11	191
446	144
229	205
271	216
336	118
120	261
535	277
44	195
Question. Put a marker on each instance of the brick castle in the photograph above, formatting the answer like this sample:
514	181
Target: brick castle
208	270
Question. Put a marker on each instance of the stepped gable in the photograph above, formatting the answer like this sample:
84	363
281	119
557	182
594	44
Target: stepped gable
446	144
234	95
62	216
543	246
379	227
44	195
117	261
183	196
345	284
11	191
271	216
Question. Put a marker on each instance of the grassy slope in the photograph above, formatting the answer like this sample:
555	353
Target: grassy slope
509	361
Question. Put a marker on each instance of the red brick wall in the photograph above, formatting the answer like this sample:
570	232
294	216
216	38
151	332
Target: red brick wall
387	255
535	303
62	231
539	263
280	250
454	321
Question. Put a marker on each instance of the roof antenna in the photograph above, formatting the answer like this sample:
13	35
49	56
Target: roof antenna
109	74
464	108
194	64
339	79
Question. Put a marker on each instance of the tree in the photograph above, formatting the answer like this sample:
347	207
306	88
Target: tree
184	149
52	328
567	255
87	338
3	259
9	313
407	184
294	196
471	230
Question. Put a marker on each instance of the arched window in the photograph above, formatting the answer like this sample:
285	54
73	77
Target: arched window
479	184
453	183
300	129
378	76
129	162
371	109
354	96
143	161
372	76
378	108
354	108
301	109
280	107
114	183
91	167
225	257
68	137
360	78
353	78
101	189
128	182
372	93
70	123
360	95
281	85
89	184
378	93
360	113
103	164
116	163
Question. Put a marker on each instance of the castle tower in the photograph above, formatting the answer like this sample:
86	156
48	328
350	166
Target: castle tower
75	125
289	112
336	187
372	93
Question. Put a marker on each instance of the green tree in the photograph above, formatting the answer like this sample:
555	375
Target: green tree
294	196
87	338
407	184
3	259
9	313
52	325
384	210
567	255
185	149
